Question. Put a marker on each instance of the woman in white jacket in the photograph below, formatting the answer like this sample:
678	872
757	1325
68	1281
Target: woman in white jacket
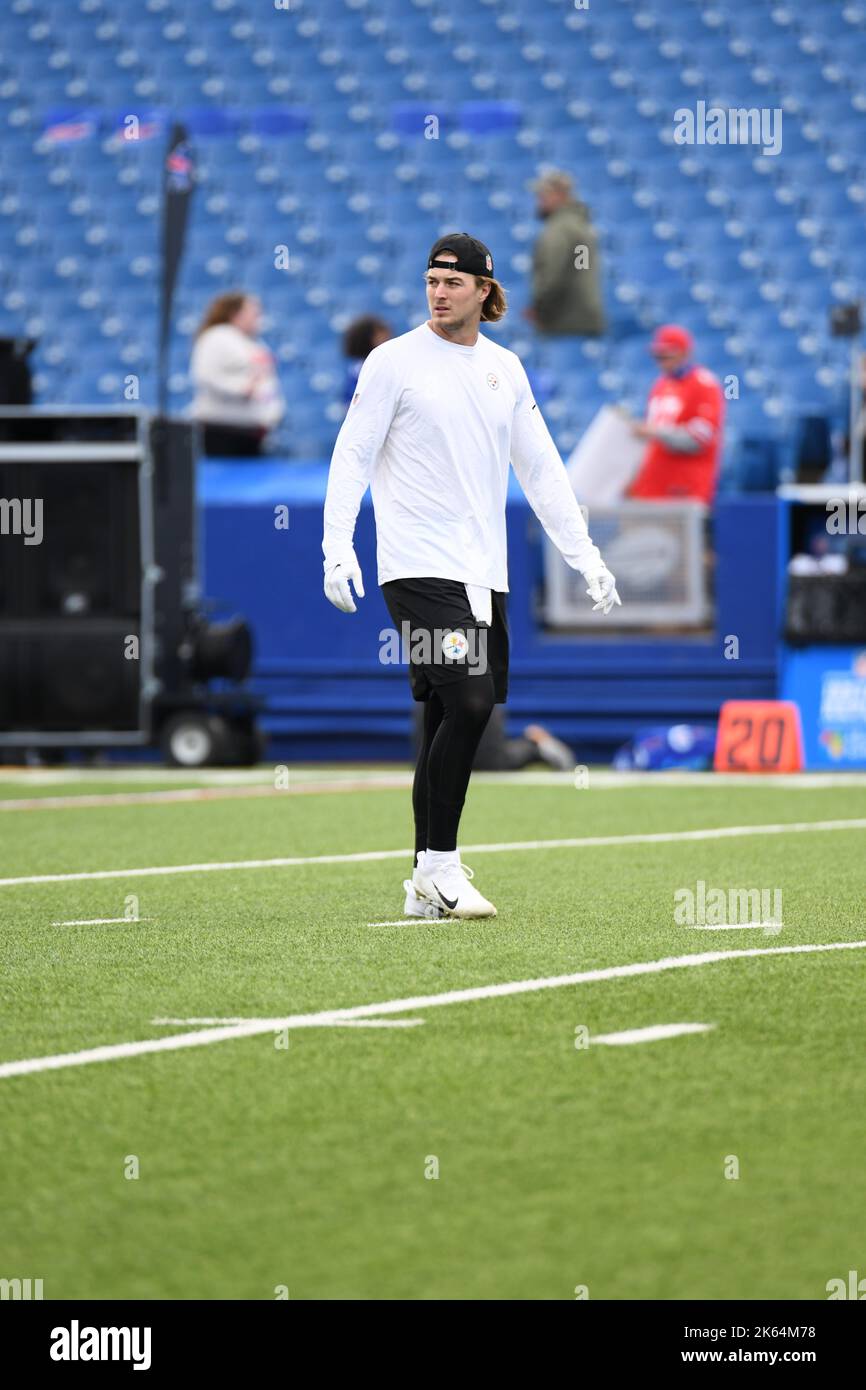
238	397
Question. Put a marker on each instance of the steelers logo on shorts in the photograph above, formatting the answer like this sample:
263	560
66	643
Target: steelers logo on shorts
493	381
454	646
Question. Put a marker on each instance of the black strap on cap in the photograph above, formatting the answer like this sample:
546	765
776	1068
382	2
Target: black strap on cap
473	257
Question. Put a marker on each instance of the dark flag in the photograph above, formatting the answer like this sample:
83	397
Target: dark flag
177	182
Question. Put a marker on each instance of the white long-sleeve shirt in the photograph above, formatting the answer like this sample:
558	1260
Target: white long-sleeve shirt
236	380
432	428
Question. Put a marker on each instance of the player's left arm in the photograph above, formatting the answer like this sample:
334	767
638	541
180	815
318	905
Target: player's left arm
541	473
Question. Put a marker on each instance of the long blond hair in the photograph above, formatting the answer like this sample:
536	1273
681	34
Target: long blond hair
495	305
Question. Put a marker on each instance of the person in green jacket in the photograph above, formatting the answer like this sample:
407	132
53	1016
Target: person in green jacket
566	284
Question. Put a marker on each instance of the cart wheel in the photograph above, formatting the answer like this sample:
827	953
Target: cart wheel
193	739
246	745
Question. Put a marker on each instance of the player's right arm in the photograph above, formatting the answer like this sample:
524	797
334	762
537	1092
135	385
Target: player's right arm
361	438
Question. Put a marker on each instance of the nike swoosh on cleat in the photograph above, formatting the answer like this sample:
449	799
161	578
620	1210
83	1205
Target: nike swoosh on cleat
445	900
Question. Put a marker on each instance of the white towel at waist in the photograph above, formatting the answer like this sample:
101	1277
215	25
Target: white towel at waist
481	603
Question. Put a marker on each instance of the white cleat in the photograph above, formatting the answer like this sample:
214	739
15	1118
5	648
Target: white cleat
416	906
450	889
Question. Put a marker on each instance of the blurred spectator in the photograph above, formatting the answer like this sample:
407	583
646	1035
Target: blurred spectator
359	339
238	397
498	753
683	427
566	283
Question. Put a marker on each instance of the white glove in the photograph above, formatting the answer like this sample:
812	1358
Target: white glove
602	590
337	579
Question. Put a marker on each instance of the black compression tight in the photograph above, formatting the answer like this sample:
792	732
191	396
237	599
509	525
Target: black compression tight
454	720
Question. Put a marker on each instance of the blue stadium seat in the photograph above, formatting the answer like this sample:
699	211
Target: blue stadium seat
514	87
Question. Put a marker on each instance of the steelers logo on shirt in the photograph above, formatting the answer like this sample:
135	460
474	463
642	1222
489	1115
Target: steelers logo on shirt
493	381
454	646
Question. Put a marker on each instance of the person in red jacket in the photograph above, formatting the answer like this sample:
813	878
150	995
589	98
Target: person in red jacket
683	427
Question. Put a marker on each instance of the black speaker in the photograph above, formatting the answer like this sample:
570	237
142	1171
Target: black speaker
103	641
68	675
86	562
826	608
75	518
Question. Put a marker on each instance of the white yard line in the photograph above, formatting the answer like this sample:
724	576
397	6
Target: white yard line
206	1022
372	856
263	774
278	1025
370	776
192	794
220	786
600	780
737	926
377	1023
653	1034
407	922
225	1033
92	800
68	776
102	922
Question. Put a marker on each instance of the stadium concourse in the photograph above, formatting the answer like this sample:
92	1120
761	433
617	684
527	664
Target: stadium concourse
310	122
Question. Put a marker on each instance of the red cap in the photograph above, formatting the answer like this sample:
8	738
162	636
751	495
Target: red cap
671	338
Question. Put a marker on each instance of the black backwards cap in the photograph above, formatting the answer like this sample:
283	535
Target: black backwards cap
473	257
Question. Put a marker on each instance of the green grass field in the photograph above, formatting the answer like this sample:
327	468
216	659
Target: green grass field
306	1165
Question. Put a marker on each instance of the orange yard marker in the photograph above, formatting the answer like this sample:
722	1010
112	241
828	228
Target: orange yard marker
759	736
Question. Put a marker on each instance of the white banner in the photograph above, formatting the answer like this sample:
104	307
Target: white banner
605	460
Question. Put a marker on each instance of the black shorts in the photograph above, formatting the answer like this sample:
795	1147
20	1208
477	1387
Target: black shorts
441	639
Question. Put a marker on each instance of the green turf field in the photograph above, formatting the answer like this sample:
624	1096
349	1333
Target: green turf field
305	1166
